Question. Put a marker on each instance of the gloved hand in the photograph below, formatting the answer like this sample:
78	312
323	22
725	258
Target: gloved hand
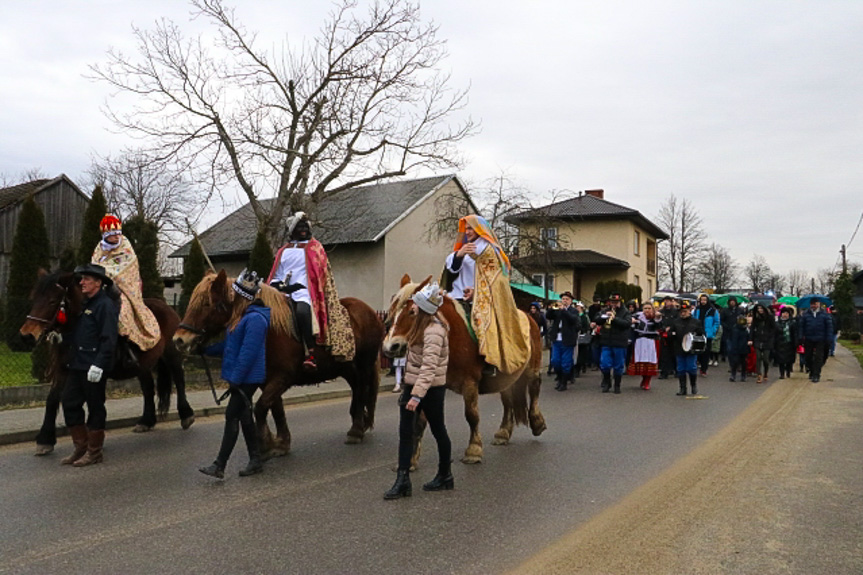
278	284
292	288
95	374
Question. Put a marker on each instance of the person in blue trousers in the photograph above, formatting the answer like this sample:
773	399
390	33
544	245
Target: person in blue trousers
615	325
564	324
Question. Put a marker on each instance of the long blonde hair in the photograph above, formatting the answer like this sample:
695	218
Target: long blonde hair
241	304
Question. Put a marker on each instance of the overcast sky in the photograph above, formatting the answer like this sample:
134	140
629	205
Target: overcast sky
751	110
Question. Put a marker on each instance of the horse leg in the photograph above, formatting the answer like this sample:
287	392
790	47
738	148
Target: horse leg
171	368
271	401
504	433
148	388
46	439
473	453
534	415
357	410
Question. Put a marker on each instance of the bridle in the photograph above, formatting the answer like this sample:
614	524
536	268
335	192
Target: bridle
52	323
221	307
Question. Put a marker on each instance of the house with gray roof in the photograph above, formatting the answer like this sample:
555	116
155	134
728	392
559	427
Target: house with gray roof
373	235
590	240
63	205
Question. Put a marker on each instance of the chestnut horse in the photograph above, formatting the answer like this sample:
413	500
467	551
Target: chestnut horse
465	370
208	314
60	291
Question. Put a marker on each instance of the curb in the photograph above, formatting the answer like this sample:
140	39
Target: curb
118	423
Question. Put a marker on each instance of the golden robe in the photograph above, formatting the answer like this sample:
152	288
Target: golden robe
137	322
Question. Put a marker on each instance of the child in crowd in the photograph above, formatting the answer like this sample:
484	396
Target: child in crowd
738	348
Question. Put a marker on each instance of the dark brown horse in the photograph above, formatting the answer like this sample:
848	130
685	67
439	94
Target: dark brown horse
60	291
208	314
465	371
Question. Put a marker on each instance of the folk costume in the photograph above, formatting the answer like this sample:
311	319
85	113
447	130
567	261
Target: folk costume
565	325
244	367
137	322
645	356
501	331
684	324
425	390
615	325
92	350
301	270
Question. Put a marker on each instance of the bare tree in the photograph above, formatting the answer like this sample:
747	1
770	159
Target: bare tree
680	255
364	101
777	283
717	269
30	175
135	184
758	273
824	280
798	282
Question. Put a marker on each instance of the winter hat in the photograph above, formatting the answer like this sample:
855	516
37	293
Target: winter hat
96	271
429	299
110	226
247	284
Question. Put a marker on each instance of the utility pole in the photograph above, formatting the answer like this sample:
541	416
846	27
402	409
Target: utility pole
844	263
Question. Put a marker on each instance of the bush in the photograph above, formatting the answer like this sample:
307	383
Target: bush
850	335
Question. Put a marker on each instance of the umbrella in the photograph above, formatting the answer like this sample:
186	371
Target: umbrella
788	300
722	301
806	301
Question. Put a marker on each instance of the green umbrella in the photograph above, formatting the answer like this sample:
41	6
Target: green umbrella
722	301
788	299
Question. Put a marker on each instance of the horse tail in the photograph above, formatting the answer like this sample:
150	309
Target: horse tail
163	386
518	400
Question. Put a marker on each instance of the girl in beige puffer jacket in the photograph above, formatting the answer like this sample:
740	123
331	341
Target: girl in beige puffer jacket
424	389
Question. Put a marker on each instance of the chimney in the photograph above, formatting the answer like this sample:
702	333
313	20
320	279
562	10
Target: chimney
595	193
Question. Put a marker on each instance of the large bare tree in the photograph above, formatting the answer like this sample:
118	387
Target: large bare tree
717	269
798	282
365	100
681	254
759	274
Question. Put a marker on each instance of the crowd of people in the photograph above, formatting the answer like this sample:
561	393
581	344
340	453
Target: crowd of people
682	338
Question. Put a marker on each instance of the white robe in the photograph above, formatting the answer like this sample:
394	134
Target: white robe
466	274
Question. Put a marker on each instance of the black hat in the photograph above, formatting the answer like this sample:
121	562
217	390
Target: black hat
96	271
567	294
685	304
247	284
614	297
667	298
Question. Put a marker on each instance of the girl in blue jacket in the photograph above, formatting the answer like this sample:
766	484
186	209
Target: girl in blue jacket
244	367
706	312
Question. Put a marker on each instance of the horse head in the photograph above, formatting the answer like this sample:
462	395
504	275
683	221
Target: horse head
56	301
208	313
400	317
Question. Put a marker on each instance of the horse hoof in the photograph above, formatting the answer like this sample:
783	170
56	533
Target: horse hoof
471	459
43	449
187	423
537	431
353	440
502	439
141	428
276	452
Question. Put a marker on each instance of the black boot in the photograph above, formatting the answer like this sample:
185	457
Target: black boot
617	378
443	480
402	486
558	381
606	382
693	383
229	439
255	465
682	379
563	380
216	469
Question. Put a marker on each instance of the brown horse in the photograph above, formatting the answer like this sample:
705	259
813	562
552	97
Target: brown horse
60	291
465	371
208	314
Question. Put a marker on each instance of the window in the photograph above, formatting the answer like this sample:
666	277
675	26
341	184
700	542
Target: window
538	280
637	246
651	257
549	237
636	280
649	287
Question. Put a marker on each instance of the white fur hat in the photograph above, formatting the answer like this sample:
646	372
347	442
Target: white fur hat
292	221
429	299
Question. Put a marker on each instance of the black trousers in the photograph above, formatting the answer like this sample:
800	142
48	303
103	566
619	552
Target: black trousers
77	392
304	321
432	406
814	351
237	413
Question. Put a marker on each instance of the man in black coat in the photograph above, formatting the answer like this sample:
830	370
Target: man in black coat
816	332
728	319
685	324
563	329
92	353
615	325
669	313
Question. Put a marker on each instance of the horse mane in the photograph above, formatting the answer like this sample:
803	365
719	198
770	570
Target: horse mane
406	291
280	313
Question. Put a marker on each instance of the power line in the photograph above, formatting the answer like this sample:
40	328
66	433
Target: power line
855	230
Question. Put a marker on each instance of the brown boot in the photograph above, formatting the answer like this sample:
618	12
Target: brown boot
94	449
79	440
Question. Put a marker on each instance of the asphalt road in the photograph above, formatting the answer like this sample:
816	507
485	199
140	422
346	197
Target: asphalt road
320	509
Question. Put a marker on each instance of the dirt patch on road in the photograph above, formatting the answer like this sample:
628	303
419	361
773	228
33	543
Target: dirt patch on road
779	490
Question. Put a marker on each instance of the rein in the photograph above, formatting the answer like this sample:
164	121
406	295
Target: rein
52	323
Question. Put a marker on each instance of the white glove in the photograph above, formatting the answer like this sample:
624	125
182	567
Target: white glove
95	374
